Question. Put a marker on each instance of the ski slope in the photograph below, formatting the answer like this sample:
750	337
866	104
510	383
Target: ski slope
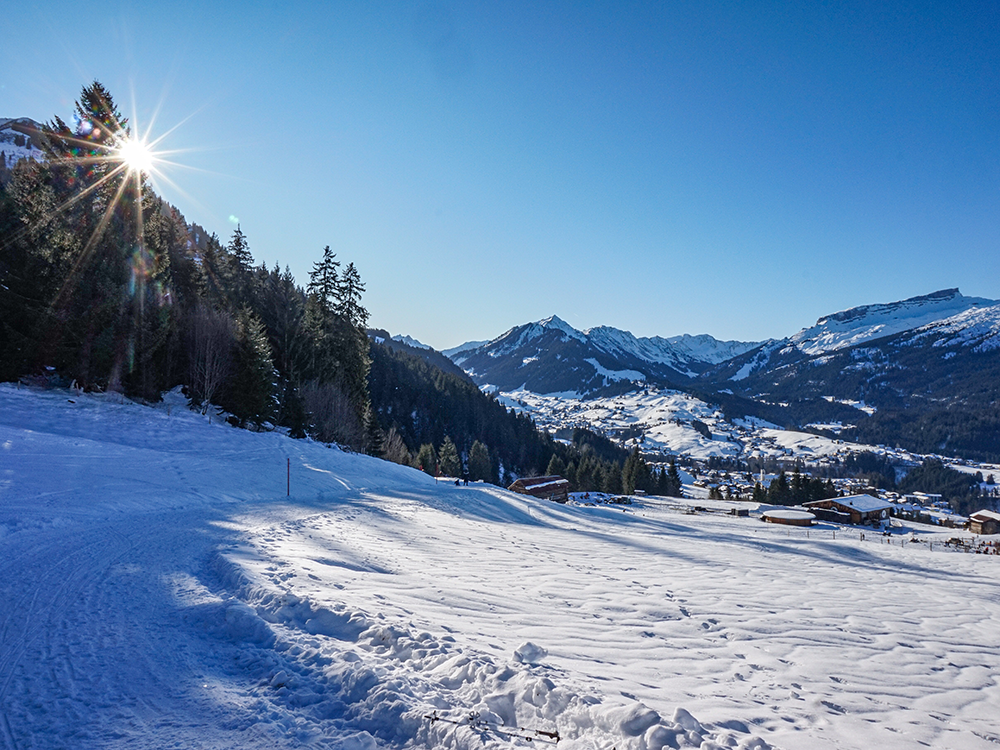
159	589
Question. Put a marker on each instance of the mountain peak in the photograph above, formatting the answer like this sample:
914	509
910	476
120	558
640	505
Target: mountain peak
557	323
859	324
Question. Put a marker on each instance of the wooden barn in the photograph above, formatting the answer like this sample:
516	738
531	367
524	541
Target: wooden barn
860	508
553	488
789	517
984	522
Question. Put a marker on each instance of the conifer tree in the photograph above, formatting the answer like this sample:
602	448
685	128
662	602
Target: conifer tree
349	291
324	281
612	479
556	466
426	459
250	395
674	479
480	465
239	251
448	460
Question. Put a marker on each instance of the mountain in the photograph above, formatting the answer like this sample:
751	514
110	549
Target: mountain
410	341
17	142
414	348
550	356
922	373
860	324
933	388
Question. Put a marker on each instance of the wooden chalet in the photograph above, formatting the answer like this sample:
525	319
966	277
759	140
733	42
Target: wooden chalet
860	509
984	522
553	488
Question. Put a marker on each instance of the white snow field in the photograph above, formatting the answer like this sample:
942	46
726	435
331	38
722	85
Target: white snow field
159	590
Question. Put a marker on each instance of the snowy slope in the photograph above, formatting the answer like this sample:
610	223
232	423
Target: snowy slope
977	328
861	324
162	591
665	420
16	142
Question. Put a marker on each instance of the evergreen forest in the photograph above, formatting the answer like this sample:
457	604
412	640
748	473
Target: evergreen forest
105	287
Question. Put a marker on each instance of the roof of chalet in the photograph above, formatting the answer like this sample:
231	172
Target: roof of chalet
860	503
537	483
986	515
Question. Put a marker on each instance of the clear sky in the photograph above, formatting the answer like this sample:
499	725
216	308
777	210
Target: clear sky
731	168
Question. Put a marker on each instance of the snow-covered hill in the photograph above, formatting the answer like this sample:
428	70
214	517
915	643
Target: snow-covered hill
161	590
861	324
17	142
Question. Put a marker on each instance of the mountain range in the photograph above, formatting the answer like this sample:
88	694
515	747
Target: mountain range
923	372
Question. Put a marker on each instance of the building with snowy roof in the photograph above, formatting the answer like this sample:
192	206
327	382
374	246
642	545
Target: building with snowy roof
860	509
984	522
553	488
789	517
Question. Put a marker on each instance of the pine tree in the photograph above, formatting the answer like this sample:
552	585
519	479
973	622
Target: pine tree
779	491
612	479
250	395
349	291
674	478
448	460
426	459
480	465
239	251
324	282
556	466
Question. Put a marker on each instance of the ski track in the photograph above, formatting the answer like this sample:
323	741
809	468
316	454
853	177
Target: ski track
160	591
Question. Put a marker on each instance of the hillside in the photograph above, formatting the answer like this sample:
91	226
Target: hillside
921	374
166	592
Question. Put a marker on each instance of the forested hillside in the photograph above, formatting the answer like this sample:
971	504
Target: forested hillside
105	287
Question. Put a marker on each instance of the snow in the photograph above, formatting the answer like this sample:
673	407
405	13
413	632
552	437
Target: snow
410	341
455	353
861	324
615	375
978	327
15	145
664	416
863	503
790	515
859	405
161	590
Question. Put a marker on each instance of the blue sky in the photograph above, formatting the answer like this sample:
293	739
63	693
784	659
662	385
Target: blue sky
738	169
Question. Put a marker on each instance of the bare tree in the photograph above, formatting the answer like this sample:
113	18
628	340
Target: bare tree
394	449
334	418
211	353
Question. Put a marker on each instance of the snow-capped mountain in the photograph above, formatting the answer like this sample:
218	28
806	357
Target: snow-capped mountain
17	142
933	387
410	341
550	356
860	324
977	328
923	373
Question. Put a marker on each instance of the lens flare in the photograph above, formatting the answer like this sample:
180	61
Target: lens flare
137	156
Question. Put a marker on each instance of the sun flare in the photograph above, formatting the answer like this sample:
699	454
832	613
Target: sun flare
137	156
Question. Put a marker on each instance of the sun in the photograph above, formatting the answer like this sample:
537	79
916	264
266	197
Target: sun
137	156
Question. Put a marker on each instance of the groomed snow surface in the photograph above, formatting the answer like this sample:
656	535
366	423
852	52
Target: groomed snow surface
159	590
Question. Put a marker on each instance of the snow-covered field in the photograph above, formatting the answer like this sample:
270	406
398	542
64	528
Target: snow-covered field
158	589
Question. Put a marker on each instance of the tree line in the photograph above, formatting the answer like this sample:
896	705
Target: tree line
105	287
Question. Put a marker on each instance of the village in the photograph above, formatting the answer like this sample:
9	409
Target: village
859	508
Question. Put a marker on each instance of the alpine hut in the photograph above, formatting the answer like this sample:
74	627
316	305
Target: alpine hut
547	488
